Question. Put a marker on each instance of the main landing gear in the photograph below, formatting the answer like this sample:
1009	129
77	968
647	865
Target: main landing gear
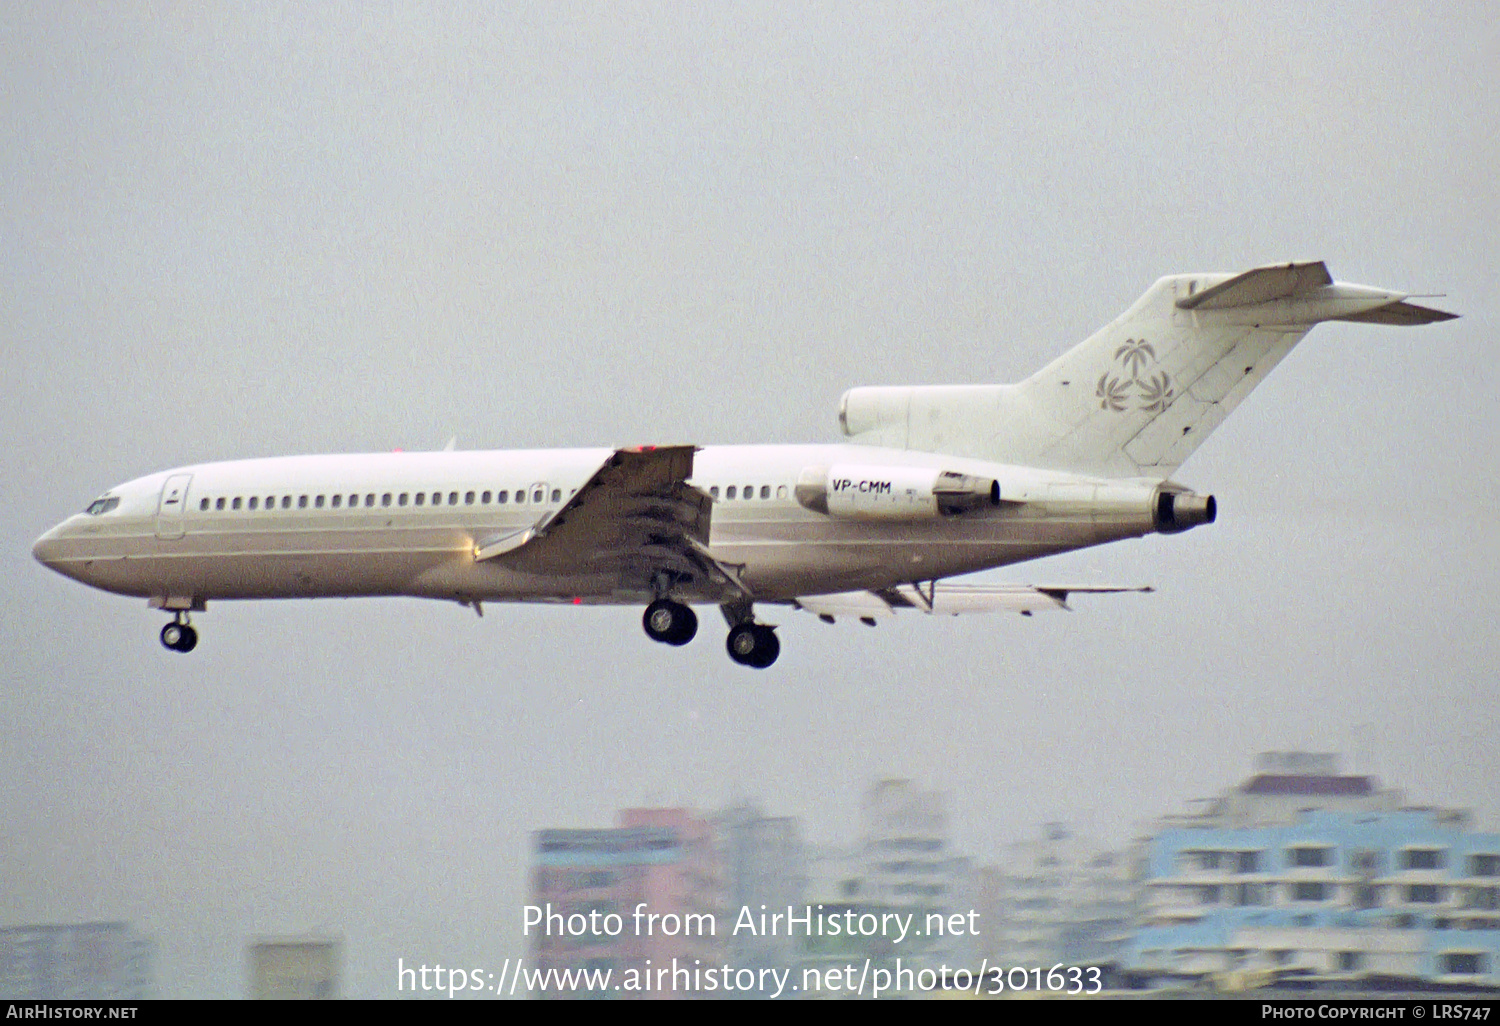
753	644
179	635
749	643
671	623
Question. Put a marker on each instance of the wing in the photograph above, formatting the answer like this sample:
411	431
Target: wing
938	599
638	519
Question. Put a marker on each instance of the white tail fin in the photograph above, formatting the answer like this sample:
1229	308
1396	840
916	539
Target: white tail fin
1143	392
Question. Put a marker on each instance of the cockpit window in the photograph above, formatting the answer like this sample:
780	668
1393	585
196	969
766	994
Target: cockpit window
101	506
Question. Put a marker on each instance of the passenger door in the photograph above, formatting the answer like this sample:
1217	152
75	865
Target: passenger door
173	502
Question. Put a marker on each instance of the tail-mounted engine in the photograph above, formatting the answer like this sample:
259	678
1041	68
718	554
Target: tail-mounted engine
894	493
1178	511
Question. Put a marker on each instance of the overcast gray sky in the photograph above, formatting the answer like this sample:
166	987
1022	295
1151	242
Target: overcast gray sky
234	231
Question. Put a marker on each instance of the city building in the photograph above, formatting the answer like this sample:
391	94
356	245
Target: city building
589	885
86	961
905	846
295	969
903	863
1057	898
765	867
1304	871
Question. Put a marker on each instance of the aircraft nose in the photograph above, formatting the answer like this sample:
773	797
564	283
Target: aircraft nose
48	548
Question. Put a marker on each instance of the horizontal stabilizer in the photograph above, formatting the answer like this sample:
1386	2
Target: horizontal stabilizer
939	599
1303	294
1402	314
1261	285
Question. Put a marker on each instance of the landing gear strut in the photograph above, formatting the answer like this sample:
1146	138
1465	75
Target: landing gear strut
179	635
671	623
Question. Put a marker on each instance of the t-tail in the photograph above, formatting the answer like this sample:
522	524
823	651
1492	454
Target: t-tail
1140	394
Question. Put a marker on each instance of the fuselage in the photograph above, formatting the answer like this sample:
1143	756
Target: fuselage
409	524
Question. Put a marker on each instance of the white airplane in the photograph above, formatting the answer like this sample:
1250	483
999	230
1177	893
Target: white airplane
933	482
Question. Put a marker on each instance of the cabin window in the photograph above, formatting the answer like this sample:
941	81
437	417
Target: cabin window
236	503
219	503
370	499
354	500
318	502
765	491
286	502
385	500
731	492
421	498
520	496
270	502
202	505
749	491
484	497
557	495
538	495
401	499
453	498
337	501
714	491
301	502
781	491
468	498
254	501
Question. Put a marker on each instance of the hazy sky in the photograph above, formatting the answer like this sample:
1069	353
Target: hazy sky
233	231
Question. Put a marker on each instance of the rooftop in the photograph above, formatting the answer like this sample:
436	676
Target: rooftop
1300	784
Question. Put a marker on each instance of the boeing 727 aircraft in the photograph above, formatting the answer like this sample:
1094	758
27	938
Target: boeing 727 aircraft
933	482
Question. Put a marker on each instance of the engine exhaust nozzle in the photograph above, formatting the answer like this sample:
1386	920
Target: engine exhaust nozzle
1180	511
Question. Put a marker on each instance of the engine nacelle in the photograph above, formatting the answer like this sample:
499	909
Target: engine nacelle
1178	511
863	492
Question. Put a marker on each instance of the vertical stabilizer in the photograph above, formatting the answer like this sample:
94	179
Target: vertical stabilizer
1142	393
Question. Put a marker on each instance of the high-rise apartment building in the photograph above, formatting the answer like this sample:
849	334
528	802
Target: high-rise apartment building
1302	870
657	873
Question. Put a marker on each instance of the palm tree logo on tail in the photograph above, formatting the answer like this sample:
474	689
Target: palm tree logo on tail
1115	386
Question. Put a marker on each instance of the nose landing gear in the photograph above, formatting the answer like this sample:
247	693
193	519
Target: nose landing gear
179	635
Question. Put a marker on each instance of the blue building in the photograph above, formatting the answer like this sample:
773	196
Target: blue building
1312	873
75	962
